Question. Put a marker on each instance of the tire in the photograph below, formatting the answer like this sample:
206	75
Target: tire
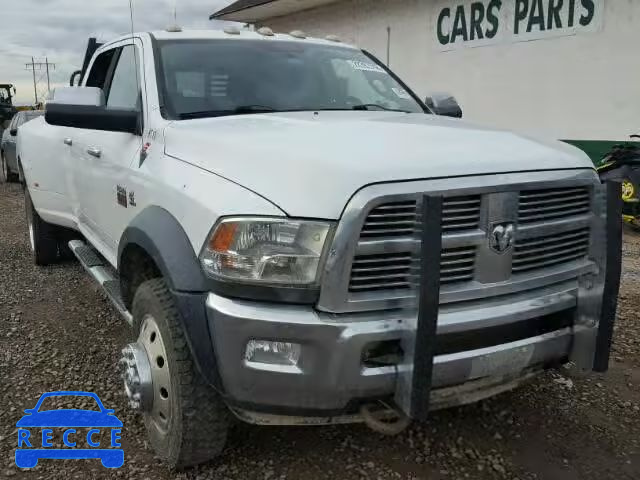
7	175
198	420
42	235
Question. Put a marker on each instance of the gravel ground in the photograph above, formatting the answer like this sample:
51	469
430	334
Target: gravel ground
57	332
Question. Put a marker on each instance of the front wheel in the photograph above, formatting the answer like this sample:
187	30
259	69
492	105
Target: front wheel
42	235
186	419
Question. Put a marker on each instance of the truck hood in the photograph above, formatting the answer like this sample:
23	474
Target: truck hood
310	164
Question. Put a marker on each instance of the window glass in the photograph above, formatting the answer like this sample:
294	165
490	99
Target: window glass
212	77
124	91
100	69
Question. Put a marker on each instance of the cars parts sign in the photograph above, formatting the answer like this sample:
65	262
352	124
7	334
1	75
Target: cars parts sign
468	23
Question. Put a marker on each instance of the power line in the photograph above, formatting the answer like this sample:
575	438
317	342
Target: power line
47	66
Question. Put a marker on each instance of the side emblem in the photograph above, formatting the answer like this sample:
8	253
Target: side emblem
121	196
502	237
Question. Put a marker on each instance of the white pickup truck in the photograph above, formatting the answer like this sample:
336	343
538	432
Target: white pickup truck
297	238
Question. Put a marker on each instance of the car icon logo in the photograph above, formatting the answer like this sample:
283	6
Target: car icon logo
36	433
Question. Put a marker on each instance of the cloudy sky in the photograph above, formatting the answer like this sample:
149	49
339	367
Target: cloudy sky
59	29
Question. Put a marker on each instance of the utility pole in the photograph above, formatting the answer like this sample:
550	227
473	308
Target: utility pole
33	66
35	88
48	82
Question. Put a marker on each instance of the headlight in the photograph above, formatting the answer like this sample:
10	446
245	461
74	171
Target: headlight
265	251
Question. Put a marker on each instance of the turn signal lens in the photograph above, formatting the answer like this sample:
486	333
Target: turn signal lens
223	237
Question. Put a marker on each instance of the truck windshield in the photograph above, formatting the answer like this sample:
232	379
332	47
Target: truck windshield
206	78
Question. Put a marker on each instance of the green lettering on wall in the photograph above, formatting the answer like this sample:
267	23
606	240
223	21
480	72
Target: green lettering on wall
585	19
553	18
492	18
536	16
477	16
459	25
522	7
572	12
442	38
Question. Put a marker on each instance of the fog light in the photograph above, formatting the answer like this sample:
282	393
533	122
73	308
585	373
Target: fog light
275	353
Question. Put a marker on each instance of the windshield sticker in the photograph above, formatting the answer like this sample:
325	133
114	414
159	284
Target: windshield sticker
401	93
366	67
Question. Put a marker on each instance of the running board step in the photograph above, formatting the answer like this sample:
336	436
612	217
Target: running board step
102	273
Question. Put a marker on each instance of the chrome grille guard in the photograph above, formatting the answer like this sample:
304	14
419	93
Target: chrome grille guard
594	319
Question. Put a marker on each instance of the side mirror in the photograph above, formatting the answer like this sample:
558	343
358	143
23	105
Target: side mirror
84	107
444	104
13	132
72	80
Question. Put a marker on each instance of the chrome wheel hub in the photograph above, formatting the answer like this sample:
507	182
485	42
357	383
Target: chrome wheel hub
136	373
145	371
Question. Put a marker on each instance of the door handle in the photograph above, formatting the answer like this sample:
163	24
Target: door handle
68	141
94	152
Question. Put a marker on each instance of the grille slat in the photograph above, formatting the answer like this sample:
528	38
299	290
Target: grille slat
554	207
542	201
554	247
541	252
532	242
551	192
549	263
552	204
385	286
575	249
399	271
400	219
461	213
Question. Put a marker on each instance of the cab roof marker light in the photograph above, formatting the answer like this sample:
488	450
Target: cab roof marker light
333	38
231	30
266	32
298	34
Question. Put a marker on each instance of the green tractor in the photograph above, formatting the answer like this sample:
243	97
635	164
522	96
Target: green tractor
7	110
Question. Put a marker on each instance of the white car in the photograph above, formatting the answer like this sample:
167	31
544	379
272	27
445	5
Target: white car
296	238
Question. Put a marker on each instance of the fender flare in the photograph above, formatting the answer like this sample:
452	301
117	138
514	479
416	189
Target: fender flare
158	233
161	236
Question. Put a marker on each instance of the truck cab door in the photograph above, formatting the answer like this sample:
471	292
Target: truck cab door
104	157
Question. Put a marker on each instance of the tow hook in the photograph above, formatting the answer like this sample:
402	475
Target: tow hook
385	419
136	374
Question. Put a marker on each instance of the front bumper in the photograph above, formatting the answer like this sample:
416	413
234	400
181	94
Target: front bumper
331	377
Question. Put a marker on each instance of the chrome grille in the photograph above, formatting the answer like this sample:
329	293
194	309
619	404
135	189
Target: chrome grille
377	248
395	219
547	251
457	264
552	204
461	213
399	219
395	271
380	271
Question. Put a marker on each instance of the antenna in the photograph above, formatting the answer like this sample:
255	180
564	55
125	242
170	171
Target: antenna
135	52
175	28
135	61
